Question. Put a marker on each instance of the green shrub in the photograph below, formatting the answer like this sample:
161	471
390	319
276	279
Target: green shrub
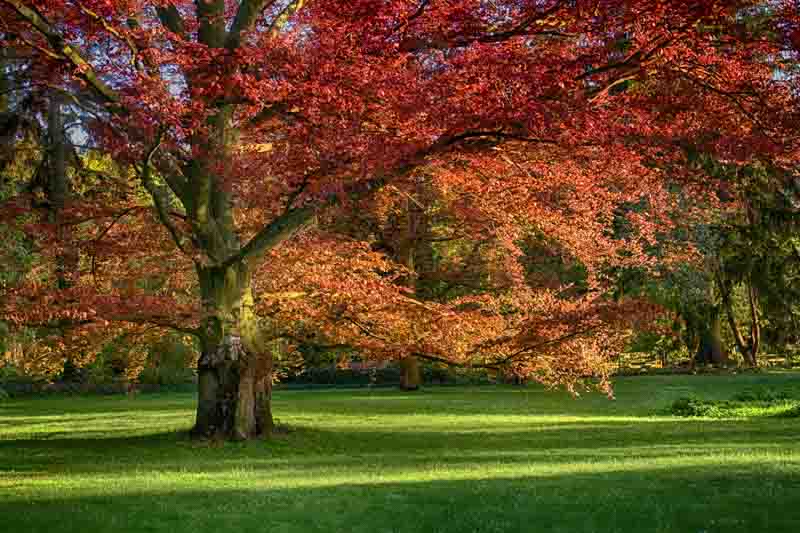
12	375
166	376
762	395
793	412
748	404
99	373
697	407
9	373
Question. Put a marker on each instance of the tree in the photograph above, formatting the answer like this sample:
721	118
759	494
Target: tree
758	254
246	121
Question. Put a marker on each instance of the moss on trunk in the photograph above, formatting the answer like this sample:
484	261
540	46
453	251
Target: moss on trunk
235	367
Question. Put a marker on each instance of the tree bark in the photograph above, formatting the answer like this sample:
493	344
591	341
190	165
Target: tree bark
58	192
235	366
709	340
755	323
410	375
714	340
414	251
748	348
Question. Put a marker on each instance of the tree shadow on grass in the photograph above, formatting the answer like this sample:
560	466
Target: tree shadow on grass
87	405
453	401
734	499
102	452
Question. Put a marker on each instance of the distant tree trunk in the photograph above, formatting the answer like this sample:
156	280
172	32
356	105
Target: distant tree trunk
410	376
714	339
58	191
410	241
748	348
709	346
9	120
691	337
755	323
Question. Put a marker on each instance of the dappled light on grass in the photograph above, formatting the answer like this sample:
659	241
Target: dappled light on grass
490	459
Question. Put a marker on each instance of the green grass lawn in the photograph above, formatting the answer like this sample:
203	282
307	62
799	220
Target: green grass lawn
445	459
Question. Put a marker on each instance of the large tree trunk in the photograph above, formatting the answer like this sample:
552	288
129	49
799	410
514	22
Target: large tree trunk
235	367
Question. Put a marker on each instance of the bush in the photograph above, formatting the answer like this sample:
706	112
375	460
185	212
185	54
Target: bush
432	374
99	374
15	382
745	404
168	376
170	363
697	407
794	412
762	395
8	373
330	375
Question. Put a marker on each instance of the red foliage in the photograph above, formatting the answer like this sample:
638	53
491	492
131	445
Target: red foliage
526	115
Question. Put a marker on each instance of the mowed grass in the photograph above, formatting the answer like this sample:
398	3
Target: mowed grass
491	459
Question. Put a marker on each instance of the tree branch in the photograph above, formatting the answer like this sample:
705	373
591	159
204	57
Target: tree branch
63	48
245	19
156	321
171	19
524	27
413	16
283	17
274	233
161	200
211	16
113	31
294	220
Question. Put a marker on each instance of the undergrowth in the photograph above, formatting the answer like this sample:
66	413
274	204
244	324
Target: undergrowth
745	404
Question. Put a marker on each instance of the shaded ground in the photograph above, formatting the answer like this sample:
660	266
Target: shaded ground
444	460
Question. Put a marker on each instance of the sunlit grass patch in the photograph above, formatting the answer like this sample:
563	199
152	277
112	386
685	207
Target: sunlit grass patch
441	460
